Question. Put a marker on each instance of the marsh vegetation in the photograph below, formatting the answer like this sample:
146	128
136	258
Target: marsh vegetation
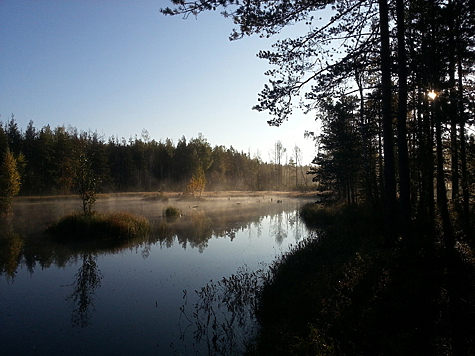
348	293
171	212
343	291
94	226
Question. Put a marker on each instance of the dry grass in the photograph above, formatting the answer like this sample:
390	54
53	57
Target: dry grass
116	225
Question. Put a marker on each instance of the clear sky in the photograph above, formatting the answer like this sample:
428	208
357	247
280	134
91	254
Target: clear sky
118	67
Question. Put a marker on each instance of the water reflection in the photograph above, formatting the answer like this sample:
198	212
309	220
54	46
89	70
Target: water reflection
278	230
197	227
11	245
86	281
126	299
193	229
224	316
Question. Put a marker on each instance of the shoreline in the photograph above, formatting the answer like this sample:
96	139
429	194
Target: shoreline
178	195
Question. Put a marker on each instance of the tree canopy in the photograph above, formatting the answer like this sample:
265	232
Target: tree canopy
9	182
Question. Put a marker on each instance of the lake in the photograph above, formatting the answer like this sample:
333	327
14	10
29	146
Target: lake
139	297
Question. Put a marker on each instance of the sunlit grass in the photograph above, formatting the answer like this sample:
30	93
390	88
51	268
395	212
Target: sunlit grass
117	225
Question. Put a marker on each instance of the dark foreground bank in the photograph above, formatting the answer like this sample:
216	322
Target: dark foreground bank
347	293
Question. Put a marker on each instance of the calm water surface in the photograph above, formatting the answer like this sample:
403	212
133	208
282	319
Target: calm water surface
125	300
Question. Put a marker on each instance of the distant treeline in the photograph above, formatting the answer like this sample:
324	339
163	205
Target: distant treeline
47	160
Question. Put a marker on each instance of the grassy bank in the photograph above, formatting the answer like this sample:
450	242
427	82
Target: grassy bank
346	293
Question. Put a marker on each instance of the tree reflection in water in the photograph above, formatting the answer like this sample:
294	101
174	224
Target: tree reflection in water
221	316
277	228
25	241
197	227
224	317
11	245
87	280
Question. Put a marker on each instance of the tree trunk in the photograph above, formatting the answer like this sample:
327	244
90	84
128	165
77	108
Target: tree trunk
364	142
442	202
389	167
404	180
463	151
426	205
453	113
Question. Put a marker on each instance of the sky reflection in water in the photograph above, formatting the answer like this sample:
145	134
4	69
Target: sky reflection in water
126	300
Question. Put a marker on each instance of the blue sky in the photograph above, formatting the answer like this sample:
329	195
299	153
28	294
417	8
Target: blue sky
119	67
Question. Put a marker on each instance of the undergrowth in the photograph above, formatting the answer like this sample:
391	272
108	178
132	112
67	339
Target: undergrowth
343	291
347	293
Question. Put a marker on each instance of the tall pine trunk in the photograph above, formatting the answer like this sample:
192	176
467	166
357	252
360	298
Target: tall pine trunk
389	166
453	111
404	179
463	150
364	142
442	201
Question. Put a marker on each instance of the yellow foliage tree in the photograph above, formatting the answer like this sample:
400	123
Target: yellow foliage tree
9	182
197	182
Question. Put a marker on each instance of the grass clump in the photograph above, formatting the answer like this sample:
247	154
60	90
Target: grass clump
117	226
171	212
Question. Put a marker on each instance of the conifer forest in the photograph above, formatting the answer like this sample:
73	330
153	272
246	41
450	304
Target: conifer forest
48	160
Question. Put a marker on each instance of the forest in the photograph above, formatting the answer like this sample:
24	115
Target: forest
392	83
48	160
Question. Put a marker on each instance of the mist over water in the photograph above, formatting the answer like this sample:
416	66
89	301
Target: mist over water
122	300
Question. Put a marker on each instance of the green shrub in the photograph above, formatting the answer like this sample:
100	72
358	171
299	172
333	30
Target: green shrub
171	212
